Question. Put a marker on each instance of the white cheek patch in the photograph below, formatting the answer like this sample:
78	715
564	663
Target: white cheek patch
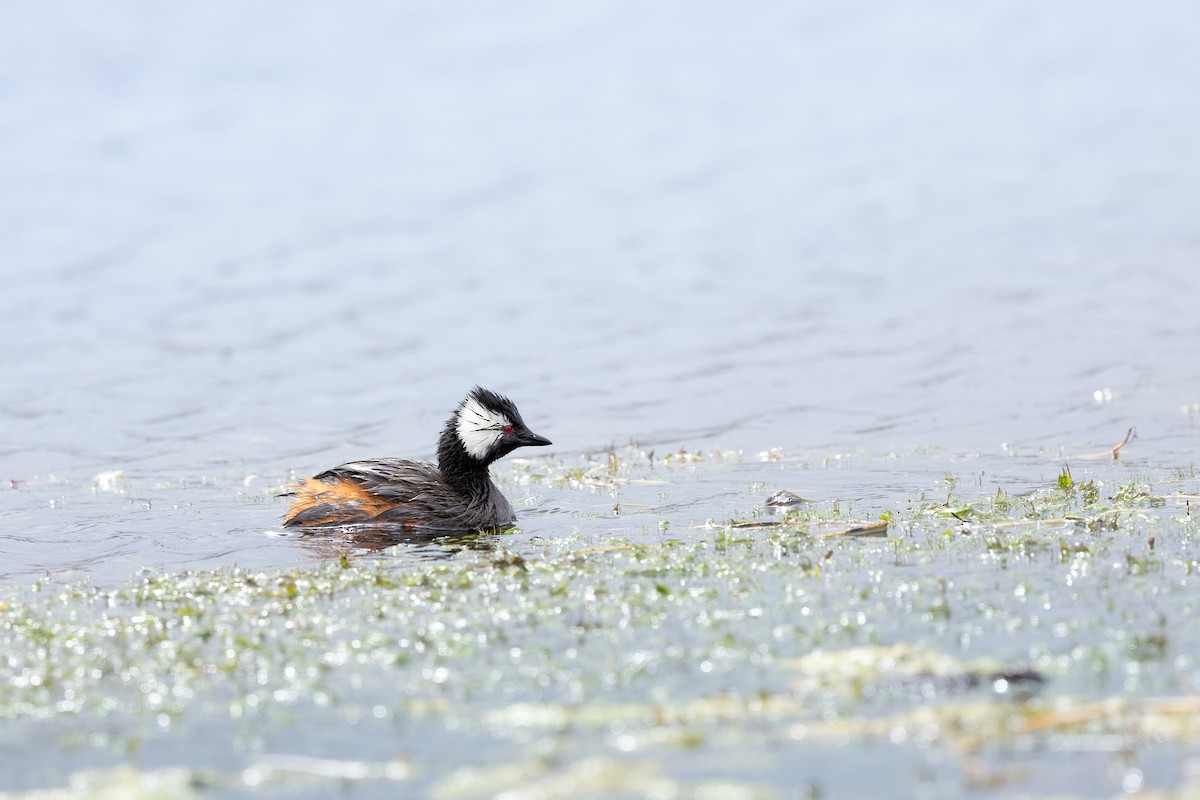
479	428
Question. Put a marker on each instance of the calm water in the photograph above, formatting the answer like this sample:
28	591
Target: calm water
241	241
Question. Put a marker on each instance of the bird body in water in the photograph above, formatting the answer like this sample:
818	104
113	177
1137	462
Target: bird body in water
456	495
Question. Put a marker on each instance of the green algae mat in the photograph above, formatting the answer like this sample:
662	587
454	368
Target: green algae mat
654	629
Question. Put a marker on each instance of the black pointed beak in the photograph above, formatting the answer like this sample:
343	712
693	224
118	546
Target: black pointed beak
528	438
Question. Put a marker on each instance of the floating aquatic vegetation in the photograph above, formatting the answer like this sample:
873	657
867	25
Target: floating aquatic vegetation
979	620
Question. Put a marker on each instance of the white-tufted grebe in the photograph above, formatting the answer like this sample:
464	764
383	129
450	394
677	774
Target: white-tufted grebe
413	496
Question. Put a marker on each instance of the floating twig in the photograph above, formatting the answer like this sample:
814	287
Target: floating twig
862	529
612	547
1114	454
1011	523
1128	435
873	529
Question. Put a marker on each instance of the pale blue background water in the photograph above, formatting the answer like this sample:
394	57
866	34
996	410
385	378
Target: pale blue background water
239	240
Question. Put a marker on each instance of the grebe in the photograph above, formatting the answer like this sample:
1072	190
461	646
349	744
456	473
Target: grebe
456	495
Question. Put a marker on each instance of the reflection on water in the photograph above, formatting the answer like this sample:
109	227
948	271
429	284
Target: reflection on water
357	540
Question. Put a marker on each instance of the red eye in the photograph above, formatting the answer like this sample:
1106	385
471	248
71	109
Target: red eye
508	428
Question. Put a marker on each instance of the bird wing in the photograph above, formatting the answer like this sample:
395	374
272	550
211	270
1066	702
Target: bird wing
407	494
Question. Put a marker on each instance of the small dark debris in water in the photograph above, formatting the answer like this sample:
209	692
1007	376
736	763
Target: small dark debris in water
1003	682
512	560
1028	679
784	498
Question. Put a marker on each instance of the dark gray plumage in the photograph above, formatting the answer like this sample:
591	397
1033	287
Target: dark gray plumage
413	496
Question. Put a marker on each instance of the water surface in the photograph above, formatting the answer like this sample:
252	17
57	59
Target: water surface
857	248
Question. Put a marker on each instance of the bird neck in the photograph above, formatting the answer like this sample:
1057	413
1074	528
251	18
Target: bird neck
466	474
